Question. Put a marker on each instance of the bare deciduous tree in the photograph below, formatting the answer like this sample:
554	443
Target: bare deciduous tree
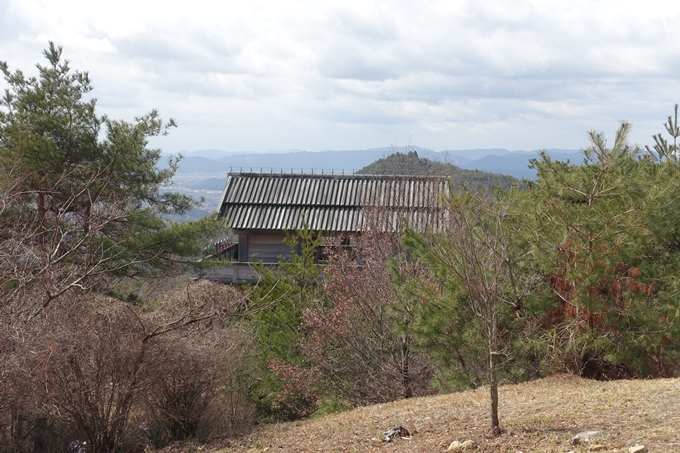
473	256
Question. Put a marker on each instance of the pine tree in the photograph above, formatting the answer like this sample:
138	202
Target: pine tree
81	193
604	235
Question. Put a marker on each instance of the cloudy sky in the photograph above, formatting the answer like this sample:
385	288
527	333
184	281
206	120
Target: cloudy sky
256	75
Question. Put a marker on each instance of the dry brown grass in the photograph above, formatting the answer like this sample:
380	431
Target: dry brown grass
539	416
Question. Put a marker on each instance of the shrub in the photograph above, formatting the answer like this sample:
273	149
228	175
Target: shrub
101	372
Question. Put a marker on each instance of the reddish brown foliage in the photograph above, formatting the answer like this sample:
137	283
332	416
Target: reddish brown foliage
299	397
360	342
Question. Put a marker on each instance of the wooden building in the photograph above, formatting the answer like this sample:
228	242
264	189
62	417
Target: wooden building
262	207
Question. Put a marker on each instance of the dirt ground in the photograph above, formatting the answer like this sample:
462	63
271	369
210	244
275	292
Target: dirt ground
538	416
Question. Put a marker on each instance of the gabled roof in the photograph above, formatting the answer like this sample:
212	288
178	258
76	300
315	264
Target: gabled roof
331	203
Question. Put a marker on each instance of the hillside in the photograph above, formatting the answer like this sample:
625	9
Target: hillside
538	416
411	164
495	160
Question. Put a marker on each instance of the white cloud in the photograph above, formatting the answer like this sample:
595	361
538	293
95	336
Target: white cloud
304	74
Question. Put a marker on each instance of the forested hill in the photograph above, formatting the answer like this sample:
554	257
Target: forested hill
410	164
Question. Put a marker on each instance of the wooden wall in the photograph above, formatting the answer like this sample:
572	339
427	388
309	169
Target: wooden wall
266	247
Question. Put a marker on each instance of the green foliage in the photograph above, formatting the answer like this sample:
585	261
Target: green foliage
81	193
472	263
282	294
451	335
411	164
662	148
277	303
47	127
469	260
331	405
604	236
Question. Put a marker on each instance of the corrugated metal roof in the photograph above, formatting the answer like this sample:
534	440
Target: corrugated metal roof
339	203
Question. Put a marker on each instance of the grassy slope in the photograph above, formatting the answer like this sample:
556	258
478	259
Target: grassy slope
539	416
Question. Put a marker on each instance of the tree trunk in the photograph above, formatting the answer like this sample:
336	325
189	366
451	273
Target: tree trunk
493	380
493	388
405	372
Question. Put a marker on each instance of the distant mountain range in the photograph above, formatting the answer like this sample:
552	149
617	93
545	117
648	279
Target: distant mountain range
517	163
203	173
502	161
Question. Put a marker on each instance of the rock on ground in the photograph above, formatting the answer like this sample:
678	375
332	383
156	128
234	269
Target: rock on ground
459	446
637	449
586	437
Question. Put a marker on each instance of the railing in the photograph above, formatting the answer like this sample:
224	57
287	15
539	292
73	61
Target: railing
222	249
292	171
